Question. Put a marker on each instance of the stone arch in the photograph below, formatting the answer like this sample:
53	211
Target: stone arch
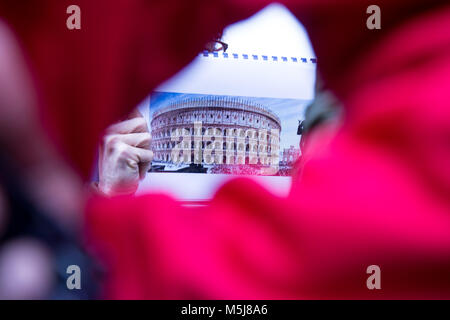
208	159
249	133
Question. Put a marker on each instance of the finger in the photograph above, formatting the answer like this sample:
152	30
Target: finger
128	126
139	140
145	159
144	155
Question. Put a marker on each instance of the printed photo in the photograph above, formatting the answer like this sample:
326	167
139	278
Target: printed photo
224	134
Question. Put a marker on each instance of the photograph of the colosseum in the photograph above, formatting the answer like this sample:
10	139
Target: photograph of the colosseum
224	134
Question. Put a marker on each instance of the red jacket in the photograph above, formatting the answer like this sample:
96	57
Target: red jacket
378	194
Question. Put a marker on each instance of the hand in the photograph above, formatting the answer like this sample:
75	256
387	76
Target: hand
124	157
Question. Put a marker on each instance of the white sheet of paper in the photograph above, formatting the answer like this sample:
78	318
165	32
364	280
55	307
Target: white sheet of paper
272	32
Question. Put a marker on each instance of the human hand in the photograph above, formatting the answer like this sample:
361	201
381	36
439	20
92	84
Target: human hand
124	157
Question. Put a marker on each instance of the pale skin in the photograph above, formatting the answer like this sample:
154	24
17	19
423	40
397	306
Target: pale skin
124	157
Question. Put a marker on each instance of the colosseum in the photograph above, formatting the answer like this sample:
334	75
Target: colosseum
215	130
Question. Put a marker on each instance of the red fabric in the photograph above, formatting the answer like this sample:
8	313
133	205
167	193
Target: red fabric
378	194
92	77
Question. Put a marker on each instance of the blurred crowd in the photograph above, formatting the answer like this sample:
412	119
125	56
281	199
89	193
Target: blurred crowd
40	195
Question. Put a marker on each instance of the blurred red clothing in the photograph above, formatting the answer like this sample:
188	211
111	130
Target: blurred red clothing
378	194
